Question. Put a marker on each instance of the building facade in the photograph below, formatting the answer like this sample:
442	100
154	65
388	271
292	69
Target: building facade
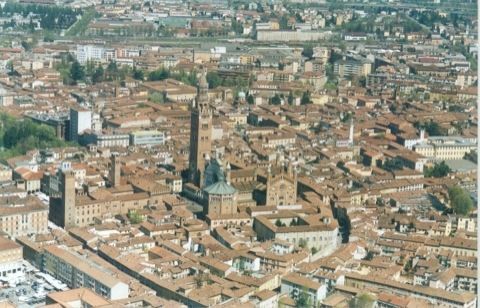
11	257
77	271
80	121
22	216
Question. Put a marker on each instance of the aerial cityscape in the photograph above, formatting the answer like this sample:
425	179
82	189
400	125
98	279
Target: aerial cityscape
238	153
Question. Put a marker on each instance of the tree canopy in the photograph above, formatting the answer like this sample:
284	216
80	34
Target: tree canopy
432	128
438	170
20	136
77	72
276	100
460	200
364	300
213	80
307	51
306	99
393	164
134	217
51	16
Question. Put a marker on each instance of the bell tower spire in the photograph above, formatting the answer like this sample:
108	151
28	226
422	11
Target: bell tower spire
200	132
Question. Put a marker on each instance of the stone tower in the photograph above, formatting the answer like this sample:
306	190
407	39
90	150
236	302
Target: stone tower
200	132
67	191
115	171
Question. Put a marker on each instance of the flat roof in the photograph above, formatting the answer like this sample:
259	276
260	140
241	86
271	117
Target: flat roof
461	165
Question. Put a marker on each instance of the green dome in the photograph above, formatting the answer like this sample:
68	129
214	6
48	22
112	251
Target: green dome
220	188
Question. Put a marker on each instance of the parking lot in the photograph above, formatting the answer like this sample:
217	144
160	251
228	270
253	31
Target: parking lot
27	290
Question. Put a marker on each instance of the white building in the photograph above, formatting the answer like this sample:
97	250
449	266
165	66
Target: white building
86	53
106	140
80	121
10	258
318	232
77	271
445	147
147	138
467	224
294	284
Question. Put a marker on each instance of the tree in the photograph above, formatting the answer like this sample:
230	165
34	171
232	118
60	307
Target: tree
160	74
158	97
213	80
433	128
89	68
393	164
20	136
380	202
369	256
26	45
98	75
237	27
250	99
76	72
305	98
302	243
439	170
362	301
308	51
460	200
408	265
346	117
134	217
276	100
138	74
314	250
283	23
112	71
290	98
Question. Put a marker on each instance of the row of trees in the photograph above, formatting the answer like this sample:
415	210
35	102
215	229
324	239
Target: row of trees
189	78
277	99
215	80
73	72
393	164
438	170
51	17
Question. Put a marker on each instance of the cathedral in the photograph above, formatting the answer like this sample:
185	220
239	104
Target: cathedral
281	185
218	196
211	180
